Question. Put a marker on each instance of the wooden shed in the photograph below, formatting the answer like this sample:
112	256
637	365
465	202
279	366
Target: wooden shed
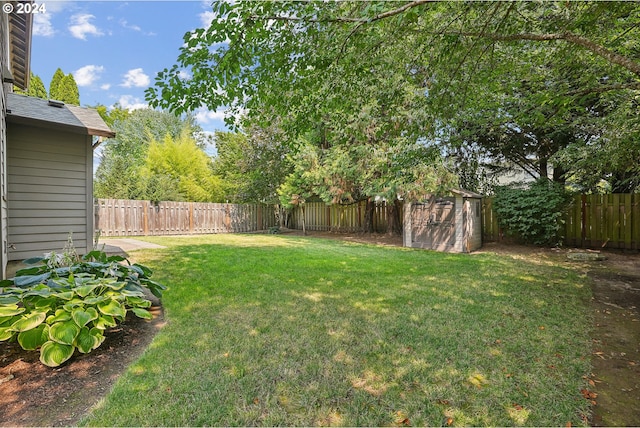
451	224
49	175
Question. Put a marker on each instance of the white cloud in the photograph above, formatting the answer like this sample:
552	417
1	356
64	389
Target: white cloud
106	86
126	24
205	116
85	76
42	25
131	103
184	75
137	78
80	26
206	17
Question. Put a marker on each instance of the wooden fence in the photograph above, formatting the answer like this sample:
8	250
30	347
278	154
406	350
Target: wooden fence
118	217
339	218
592	221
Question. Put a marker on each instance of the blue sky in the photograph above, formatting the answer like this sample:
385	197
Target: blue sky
115	48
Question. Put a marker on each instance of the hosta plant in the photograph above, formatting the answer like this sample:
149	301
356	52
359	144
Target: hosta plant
61	309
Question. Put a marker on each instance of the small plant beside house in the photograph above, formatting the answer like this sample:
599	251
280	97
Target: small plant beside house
65	303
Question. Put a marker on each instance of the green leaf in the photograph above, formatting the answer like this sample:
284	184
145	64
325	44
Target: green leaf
64	295
114	284
112	308
64	332
99	335
45	303
6	333
60	315
33	260
35	338
8	300
53	354
105	321
7	321
138	302
24	281
83	317
85	290
85	341
10	310
28	322
142	313
97	299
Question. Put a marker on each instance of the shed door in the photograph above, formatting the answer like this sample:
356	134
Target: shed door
433	224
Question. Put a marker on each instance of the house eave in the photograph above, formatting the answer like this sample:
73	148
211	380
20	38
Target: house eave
20	27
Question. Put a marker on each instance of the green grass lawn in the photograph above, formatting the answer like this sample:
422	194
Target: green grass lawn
275	330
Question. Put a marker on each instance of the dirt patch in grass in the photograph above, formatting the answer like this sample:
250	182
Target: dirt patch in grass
32	394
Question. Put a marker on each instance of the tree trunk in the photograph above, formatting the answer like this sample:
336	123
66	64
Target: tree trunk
304	230
543	166
368	217
393	220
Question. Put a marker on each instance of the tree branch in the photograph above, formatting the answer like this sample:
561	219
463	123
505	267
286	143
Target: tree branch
575	39
347	19
606	88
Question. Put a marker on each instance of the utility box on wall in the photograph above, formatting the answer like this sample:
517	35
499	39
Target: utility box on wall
452	224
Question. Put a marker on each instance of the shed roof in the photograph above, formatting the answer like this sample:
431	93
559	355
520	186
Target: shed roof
26	110
466	193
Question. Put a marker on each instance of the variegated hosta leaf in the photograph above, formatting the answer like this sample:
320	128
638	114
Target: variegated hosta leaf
64	332
98	334
104	322
85	341
60	315
85	290
142	313
33	339
97	299
112	308
10	310
28	322
6	333
84	316
114	284
7	321
53	354
138	302
64	295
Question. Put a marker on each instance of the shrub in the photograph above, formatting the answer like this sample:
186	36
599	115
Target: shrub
61	309
533	213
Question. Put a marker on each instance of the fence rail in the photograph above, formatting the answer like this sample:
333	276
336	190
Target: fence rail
119	217
591	221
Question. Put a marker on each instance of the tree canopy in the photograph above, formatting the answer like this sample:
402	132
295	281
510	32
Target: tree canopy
529	83
64	88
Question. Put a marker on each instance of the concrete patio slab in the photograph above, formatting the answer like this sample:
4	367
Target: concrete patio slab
123	245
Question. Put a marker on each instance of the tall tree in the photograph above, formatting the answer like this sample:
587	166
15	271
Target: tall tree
56	80
182	164
253	163
36	87
64	88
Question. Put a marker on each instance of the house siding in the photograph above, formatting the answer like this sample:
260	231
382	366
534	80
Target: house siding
4	64
49	186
